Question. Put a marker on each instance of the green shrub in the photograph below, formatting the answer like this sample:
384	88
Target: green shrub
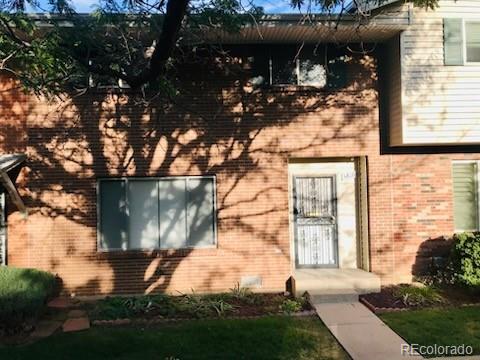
464	262
417	295
23	294
291	306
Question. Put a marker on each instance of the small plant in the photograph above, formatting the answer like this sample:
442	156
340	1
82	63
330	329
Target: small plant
221	307
240	292
203	306
120	307
418	295
291	306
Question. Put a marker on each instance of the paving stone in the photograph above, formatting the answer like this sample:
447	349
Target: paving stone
45	328
76	324
76	313
60	303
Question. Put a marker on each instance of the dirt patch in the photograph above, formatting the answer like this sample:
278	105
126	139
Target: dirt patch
384	300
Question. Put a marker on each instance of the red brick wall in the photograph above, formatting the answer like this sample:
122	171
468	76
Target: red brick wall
219	126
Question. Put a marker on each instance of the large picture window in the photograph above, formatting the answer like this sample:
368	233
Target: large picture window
160	213
465	195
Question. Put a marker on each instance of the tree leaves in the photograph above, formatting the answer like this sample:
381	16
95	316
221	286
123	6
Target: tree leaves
137	41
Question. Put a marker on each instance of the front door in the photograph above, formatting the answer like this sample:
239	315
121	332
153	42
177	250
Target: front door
315	208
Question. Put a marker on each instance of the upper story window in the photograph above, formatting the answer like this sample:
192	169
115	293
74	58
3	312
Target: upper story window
472	41
466	203
297	68
156	213
300	66
461	41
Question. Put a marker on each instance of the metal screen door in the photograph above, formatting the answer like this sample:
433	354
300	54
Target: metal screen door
315	208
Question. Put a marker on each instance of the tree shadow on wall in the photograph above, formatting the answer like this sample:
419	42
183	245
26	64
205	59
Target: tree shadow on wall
218	125
432	257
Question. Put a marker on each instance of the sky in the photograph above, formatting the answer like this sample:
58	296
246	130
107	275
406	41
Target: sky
269	6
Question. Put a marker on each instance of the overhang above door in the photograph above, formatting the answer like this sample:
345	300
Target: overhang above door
8	164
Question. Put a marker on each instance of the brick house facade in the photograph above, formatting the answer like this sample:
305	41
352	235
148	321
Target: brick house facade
246	138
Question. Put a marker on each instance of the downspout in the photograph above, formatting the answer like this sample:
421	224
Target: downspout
410	13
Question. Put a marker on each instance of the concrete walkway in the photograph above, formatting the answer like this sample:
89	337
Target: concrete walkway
363	335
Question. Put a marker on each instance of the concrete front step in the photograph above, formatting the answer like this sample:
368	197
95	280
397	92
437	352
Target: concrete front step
335	282
333	298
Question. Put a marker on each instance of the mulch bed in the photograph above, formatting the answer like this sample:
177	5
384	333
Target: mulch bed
251	306
161	320
385	300
265	304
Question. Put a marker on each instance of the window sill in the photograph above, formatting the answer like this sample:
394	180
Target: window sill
156	253
300	88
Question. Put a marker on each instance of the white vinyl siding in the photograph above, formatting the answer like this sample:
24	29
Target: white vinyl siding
465	195
440	103
158	213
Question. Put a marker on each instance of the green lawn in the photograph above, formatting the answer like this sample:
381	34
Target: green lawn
264	338
448	326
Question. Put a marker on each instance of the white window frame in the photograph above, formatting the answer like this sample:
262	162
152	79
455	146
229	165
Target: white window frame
464	39
159	248
477	184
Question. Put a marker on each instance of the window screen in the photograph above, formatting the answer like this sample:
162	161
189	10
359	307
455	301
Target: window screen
472	41
143	214
173	225
453	41
465	196
166	213
200	219
113	226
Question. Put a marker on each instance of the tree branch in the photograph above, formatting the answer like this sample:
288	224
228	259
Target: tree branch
165	44
11	33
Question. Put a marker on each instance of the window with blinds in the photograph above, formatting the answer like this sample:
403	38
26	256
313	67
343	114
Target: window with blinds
472	41
461	41
465	196
161	213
